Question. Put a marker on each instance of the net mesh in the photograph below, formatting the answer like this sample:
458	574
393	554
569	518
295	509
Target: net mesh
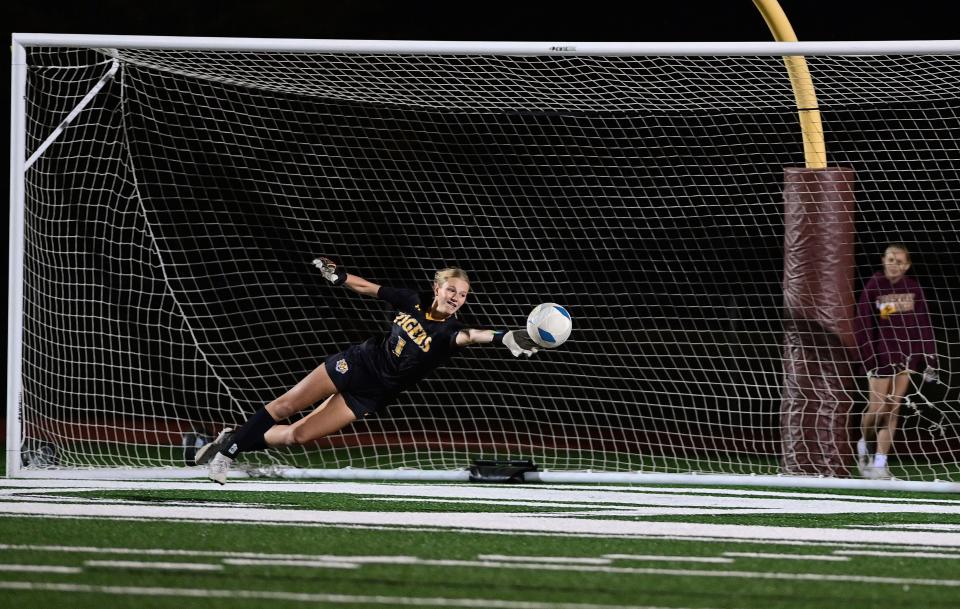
169	233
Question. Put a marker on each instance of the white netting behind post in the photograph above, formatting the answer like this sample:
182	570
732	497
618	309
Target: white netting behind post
170	229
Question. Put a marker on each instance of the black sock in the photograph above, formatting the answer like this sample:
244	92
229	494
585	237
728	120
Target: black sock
260	444
250	434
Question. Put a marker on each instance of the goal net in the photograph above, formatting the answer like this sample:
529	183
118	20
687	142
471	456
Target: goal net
168	230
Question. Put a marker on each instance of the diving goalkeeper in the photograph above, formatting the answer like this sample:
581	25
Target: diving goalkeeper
365	378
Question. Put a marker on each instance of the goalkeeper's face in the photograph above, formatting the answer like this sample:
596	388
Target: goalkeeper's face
450	296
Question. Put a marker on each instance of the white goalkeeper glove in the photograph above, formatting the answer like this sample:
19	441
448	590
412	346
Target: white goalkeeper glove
330	270
518	343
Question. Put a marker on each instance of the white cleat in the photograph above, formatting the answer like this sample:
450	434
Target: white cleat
877	473
863	458
207	451
218	468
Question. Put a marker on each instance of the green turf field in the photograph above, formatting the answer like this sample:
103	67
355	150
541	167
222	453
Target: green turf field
254	544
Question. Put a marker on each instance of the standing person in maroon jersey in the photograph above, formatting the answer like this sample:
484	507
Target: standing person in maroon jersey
895	338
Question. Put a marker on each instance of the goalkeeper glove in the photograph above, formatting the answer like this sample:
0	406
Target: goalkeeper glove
330	270
518	343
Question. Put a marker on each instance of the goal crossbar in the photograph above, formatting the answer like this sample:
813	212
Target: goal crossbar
443	47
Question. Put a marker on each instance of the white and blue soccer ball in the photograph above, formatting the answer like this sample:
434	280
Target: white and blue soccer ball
549	325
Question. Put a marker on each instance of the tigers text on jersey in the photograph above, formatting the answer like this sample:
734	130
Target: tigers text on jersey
417	344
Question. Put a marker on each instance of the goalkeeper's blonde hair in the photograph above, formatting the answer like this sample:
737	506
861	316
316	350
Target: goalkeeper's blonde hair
451	272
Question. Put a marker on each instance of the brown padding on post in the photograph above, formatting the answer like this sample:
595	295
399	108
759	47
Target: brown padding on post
818	270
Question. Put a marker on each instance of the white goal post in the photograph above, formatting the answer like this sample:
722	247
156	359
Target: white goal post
168	195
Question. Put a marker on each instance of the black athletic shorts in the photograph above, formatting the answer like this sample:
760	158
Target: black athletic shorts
362	390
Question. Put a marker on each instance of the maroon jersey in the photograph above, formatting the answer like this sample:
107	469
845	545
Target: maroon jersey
892	326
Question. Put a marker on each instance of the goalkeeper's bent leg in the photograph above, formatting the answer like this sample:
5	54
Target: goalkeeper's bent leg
330	417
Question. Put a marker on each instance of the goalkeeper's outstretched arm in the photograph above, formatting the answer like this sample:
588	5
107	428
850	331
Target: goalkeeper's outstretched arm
338	275
361	286
517	342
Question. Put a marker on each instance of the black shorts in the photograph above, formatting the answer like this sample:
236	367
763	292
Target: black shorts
362	390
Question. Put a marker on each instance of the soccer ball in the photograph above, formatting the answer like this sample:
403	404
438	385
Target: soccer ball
549	325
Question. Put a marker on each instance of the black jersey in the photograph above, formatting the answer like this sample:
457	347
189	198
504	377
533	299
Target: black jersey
416	345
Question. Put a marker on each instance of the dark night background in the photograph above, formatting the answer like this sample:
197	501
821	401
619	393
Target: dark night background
558	22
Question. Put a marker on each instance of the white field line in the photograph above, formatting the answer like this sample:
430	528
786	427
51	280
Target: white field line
40	569
57	498
356	560
435	562
914	526
745	502
152	565
549	504
667	536
935	555
273	562
426	529
659	511
468	521
574	509
465	491
572	560
825	557
254	558
532	563
305	597
693	490
583	568
662	558
576	564
203	553
758	575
